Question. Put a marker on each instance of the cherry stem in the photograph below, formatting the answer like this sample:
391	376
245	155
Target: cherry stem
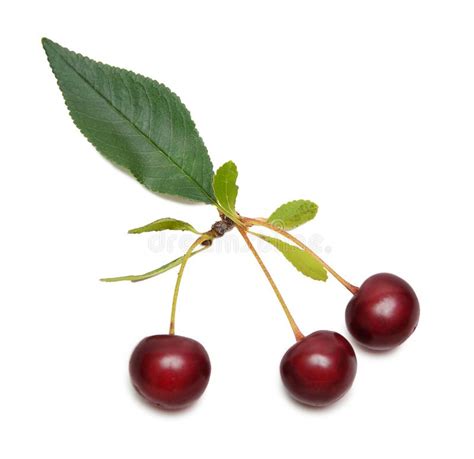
260	222
298	335
186	257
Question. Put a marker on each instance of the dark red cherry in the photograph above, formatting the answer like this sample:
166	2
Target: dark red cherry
383	313
319	369
170	371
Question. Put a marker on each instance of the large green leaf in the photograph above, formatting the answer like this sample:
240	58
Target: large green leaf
165	224
302	261
225	187
148	275
293	214
135	122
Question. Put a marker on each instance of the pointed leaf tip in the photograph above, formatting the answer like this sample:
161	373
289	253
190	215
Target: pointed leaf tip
136	123
225	187
302	261
165	224
150	274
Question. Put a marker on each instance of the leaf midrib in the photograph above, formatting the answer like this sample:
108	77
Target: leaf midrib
148	139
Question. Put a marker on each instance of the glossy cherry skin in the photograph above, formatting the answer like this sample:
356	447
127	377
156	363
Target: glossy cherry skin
170	371
319	369
383	313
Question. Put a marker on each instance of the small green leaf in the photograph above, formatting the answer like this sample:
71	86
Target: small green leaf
225	187
302	261
165	224
135	122
293	214
148	275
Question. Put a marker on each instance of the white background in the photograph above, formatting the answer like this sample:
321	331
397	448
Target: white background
365	107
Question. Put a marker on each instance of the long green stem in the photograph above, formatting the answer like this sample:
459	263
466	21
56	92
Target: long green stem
186	257
298	335
260	222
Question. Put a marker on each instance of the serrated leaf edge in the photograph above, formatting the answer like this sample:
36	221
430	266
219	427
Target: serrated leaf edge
46	41
269	219
231	213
